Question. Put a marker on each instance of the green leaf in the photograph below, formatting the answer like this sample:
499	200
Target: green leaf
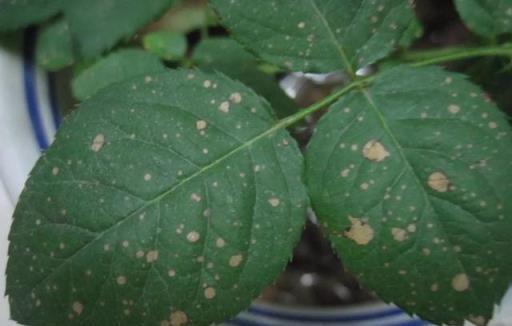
317	35
186	17
228	57
167	45
15	14
168	198
114	68
486	17
411	179
95	25
411	34
54	46
98	24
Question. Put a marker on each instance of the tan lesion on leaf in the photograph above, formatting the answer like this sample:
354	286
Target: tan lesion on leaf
439	182
399	234
360	232
78	307
375	151
98	142
178	318
460	282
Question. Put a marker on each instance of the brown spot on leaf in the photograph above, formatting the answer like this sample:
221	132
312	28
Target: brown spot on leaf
121	280
98	142
399	234
209	293
375	151
178	318
360	232
152	256
274	202
235	260
78	307
460	282
439	182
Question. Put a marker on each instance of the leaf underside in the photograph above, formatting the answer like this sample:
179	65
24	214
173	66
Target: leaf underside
317	35
486	17
411	178
164	200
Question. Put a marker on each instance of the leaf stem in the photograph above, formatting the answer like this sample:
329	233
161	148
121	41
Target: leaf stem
290	120
429	57
415	59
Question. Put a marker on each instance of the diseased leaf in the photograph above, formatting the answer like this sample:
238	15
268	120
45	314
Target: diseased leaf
15	14
95	25
167	45
486	17
168	199
411	178
228	57
116	67
54	48
317	35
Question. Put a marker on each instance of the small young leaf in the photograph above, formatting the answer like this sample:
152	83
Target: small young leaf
116	67
98	24
15	14
54	46
412	178
167	45
171	199
317	35
486	17
228	57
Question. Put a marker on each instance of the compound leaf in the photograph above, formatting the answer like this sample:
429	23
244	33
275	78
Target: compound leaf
486	17
170	199
411	178
317	35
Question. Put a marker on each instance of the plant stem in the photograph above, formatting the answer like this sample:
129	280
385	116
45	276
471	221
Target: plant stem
423	58
288	121
415	59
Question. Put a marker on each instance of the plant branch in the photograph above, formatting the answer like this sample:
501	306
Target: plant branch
415	59
292	119
429	57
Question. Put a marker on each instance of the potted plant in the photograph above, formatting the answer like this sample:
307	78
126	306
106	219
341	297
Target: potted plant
177	190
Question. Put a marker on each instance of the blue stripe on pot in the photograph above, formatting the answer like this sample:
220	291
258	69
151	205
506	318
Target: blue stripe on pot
33	102
52	95
326	318
359	315
30	84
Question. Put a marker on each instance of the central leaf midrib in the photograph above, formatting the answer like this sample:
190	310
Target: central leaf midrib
339	47
398	146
